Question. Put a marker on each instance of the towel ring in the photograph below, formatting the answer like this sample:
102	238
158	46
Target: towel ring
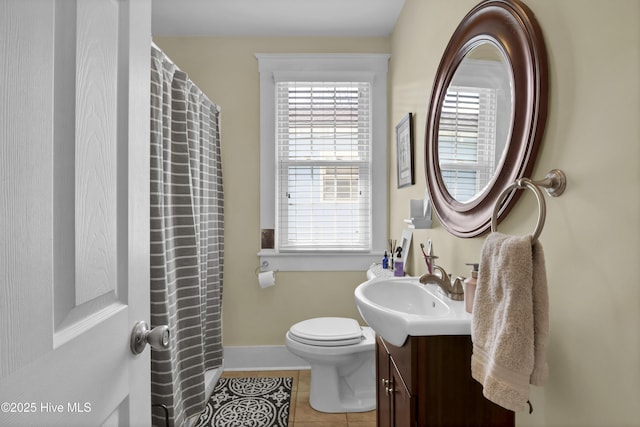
554	183
523	183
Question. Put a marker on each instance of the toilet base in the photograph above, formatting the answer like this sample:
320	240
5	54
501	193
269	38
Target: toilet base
355	387
321	401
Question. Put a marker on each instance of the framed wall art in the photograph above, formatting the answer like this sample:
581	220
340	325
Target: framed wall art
404	147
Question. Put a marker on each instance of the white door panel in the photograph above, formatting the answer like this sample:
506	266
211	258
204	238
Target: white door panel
74	211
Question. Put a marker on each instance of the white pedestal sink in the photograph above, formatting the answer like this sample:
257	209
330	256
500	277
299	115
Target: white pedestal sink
401	306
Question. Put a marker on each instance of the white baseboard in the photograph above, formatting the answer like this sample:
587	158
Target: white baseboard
261	358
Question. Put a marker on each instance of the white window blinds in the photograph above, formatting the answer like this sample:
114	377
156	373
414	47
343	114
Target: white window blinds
323	140
466	140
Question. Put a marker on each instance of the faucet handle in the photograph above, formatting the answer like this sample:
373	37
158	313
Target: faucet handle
457	284
457	290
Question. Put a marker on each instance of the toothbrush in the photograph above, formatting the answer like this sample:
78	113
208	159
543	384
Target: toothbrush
392	248
426	258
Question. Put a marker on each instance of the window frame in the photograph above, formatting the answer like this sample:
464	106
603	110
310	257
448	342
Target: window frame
323	67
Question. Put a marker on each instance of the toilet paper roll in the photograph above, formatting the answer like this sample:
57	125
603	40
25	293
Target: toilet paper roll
266	279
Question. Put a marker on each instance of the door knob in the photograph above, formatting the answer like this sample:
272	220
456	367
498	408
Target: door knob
157	338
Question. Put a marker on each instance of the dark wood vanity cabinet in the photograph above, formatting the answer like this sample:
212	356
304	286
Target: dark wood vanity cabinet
427	382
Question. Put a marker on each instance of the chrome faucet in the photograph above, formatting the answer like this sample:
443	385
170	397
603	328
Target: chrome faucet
454	291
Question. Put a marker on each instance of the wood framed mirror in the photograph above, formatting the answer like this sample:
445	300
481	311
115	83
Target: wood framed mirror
486	116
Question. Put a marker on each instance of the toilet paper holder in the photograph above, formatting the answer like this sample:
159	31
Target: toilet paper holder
263	267
266	277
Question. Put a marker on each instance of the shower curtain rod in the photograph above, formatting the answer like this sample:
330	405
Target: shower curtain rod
166	57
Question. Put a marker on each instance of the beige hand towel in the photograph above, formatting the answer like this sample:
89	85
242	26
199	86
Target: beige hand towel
510	325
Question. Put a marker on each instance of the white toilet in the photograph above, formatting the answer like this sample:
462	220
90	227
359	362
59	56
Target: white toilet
342	358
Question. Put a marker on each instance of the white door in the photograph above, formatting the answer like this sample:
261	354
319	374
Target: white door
74	211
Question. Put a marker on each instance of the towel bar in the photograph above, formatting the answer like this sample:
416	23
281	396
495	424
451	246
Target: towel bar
554	183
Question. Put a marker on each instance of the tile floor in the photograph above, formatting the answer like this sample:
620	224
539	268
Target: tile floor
301	413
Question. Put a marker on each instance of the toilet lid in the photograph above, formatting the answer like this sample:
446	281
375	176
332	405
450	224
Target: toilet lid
327	331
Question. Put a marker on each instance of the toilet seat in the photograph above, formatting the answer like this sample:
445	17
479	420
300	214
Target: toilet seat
327	332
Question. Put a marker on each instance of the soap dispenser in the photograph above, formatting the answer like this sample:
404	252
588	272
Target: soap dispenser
398	266
470	288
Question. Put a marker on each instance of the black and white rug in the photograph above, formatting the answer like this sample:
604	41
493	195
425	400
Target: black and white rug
248	402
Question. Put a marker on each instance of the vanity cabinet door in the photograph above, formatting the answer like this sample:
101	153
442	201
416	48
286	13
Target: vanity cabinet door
396	405
383	377
402	402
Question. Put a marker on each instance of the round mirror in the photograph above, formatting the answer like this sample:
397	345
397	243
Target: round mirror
475	122
486	115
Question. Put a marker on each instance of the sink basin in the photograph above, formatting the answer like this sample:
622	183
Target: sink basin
401	306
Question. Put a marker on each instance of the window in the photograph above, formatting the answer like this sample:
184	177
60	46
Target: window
323	166
466	140
323	152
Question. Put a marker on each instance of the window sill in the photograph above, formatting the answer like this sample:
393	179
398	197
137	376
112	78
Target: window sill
318	261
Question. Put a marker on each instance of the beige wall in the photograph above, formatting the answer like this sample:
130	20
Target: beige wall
227	71
592	233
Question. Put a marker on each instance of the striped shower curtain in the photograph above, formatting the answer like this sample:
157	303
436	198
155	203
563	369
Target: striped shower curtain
186	239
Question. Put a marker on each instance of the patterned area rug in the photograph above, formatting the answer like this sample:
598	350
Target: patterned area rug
248	402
